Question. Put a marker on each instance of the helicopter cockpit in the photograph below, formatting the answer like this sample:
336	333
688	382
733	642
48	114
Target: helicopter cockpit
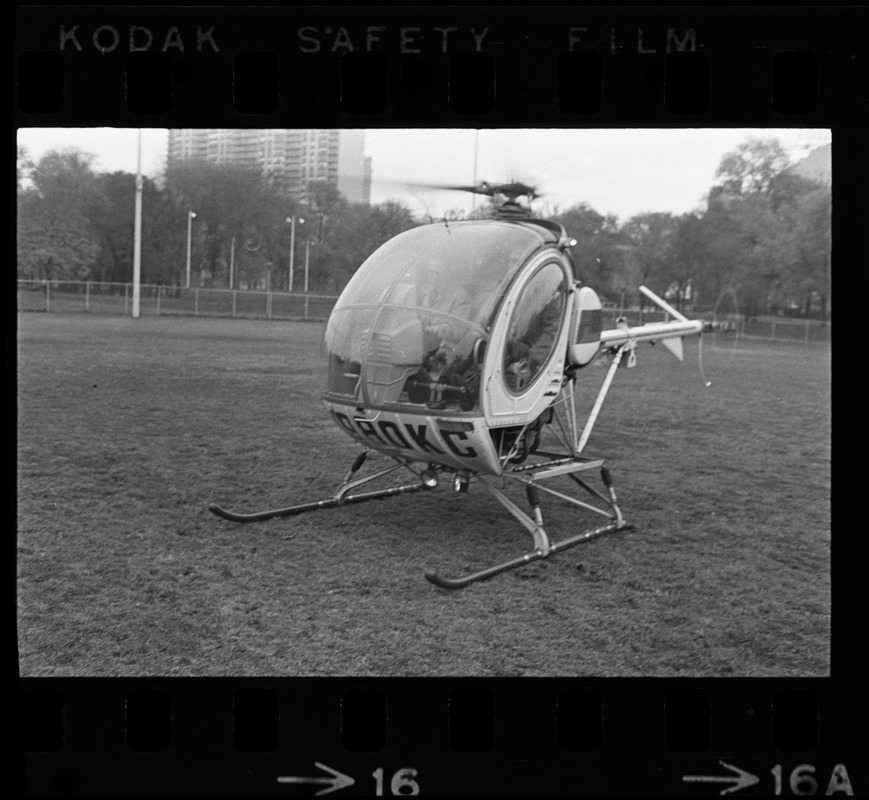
412	327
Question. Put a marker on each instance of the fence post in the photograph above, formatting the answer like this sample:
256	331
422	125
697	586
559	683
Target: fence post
126	292
196	302
772	333
234	293
48	295
306	308
268	304
807	331
87	296
159	295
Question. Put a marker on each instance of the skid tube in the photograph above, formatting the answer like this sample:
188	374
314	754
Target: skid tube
534	522
491	572
341	497
291	511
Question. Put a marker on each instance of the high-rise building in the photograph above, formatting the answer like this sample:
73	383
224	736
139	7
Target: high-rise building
288	159
187	145
354	168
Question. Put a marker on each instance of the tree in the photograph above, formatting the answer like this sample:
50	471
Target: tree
352	237
767	231
689	253
805	216
599	253
23	166
752	166
55	239
112	219
230	201
653	238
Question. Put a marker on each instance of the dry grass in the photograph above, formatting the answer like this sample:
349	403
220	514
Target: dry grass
129	428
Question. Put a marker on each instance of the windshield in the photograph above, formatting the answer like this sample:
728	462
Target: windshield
413	323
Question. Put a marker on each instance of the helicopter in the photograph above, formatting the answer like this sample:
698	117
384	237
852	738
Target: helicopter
455	346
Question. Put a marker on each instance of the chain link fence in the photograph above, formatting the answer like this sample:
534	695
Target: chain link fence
117	298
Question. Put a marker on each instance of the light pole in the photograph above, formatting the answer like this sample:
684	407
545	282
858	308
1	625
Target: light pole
292	221
474	181
307	260
190	216
137	233
231	260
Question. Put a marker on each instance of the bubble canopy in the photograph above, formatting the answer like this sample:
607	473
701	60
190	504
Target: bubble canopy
412	325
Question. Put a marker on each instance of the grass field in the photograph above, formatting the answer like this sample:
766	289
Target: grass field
128	429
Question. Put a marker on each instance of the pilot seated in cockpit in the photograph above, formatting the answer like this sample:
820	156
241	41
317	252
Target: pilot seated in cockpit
451	301
448	337
528	350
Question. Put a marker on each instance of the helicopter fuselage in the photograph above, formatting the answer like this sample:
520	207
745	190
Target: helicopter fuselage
450	340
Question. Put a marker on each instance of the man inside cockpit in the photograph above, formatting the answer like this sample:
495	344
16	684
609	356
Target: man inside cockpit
449	297
448	333
528	350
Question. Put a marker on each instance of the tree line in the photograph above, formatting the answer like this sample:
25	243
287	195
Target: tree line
764	233
763	236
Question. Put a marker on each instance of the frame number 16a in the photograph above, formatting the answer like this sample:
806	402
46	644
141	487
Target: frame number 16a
804	782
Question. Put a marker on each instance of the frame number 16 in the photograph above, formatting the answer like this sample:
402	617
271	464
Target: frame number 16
403	782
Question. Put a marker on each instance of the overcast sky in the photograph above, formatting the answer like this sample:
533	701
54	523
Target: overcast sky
617	171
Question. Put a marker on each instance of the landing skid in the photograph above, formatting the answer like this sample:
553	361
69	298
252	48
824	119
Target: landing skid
531	475
491	572
341	497
291	511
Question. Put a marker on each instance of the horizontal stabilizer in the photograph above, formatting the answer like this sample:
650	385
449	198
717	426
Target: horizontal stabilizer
675	347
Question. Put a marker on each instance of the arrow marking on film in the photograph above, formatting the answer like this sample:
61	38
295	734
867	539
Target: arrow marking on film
333	784
741	780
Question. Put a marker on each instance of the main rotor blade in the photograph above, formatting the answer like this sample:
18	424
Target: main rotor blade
511	190
482	188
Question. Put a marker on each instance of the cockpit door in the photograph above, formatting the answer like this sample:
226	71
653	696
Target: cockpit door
525	360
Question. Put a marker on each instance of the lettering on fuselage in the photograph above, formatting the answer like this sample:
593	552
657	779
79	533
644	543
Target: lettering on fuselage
406	436
418	434
468	452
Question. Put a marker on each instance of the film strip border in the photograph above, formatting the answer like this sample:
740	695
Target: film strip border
440	737
430	66
151	80
189	67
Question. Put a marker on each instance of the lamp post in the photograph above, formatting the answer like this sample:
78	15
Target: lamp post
190	216
474	182
307	260
292	221
137	233
231	261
